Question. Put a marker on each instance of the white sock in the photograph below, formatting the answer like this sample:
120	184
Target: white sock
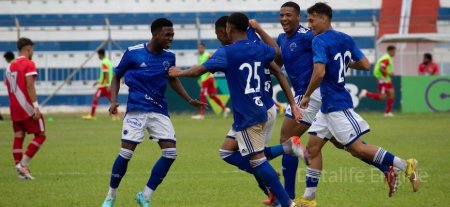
147	193
400	163
310	193
112	192
287	146
25	161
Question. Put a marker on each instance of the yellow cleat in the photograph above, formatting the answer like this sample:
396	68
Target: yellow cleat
281	109
412	173
88	117
303	202
115	118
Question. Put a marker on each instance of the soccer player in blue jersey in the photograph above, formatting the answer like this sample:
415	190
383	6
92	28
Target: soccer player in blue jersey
145	68
243	63
333	53
296	56
229	151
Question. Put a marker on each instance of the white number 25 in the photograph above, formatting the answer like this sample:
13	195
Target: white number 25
252	74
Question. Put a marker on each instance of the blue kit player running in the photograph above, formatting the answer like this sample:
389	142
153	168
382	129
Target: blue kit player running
243	63
333	53
145	67
296	56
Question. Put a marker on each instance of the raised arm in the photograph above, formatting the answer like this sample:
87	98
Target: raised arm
267	39
194	71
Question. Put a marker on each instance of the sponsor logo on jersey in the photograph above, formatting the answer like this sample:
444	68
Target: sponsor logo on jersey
133	122
143	65
258	101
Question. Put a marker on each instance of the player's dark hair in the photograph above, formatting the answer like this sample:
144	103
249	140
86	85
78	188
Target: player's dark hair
391	47
239	21
293	5
202	44
222	22
8	56
159	24
428	56
101	51
22	42
321	9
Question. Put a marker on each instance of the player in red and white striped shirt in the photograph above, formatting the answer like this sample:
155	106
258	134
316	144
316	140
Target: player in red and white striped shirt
25	114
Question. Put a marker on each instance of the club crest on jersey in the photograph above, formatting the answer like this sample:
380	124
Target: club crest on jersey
258	101
166	65
267	86
134	122
292	46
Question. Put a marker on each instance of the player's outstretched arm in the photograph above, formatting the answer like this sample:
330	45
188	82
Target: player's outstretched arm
115	86
30	79
176	85
316	78
276	71
264	36
362	64
194	71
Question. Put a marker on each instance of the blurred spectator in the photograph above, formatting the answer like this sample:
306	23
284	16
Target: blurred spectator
428	67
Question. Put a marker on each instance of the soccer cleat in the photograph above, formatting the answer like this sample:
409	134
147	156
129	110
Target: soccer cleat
24	172
88	117
272	201
307	203
362	94
412	173
281	109
390	114
142	201
299	150
226	112
109	201
391	180
198	117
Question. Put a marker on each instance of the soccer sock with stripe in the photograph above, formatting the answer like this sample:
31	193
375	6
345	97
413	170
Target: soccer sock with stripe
160	170
312	180
382	168
235	158
17	149
119	169
34	146
266	173
384	157
290	164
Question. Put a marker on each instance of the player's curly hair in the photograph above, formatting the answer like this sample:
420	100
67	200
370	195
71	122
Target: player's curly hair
239	21
322	9
159	23
23	41
293	5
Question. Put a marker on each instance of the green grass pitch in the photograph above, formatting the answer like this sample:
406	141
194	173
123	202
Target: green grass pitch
73	166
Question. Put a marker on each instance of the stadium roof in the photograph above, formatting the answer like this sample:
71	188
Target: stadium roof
414	38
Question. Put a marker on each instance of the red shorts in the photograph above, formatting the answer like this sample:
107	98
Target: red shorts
102	92
30	125
208	87
383	87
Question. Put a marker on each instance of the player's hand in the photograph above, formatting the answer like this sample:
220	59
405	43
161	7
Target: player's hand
297	113
95	83
254	24
174	71
304	102
113	108
37	114
197	103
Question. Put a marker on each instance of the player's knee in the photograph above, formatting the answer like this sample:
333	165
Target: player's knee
336	143
313	150
170	153
126	153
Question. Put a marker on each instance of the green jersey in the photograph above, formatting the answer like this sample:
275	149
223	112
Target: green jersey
385	61
105	67
201	59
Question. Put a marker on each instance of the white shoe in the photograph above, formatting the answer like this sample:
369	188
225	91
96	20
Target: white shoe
390	114
198	117
24	172
226	111
362	94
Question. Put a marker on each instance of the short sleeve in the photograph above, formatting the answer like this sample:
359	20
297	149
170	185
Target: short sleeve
357	54
31	69
319	51
217	62
251	35
124	64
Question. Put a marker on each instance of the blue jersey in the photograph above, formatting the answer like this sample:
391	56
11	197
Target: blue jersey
243	64
267	96
146	75
335	50
296	52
